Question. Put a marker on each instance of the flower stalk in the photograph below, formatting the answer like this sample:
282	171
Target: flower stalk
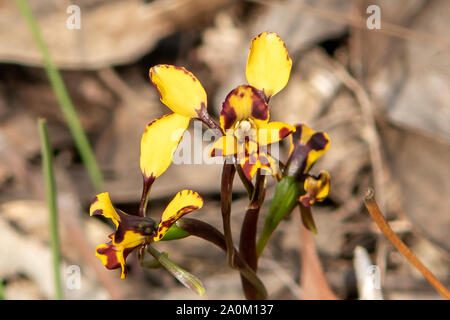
207	232
226	191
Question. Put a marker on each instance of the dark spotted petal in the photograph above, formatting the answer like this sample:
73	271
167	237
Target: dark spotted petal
243	103
316	189
113	257
307	146
184	202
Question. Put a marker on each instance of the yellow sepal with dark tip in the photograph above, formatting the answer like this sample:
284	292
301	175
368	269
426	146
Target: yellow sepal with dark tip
184	202
273	132
113	257
315	154
306	146
179	89
101	205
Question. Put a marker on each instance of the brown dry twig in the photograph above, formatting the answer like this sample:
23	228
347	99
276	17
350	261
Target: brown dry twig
379	219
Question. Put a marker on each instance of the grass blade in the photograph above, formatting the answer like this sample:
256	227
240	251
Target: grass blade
57	83
50	190
2	295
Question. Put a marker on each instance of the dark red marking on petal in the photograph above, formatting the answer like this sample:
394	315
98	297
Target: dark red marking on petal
154	84
111	258
284	132
247	169
317	141
228	113
297	135
181	69
186	72
260	109
186	210
97	212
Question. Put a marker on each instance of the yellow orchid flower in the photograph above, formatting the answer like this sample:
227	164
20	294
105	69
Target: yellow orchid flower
317	189
245	113
134	231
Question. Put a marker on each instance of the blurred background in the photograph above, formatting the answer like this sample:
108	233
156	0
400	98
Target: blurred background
382	96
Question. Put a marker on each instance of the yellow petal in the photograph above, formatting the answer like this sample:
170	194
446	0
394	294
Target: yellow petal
268	64
317	189
319	144
324	185
306	147
273	131
224	146
250	165
270	165
101	205
179	89
159	142
127	239
184	202
112	257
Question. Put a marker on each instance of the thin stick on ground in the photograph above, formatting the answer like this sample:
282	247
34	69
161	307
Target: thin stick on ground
378	217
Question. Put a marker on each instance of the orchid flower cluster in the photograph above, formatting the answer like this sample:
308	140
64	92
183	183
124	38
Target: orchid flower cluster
244	133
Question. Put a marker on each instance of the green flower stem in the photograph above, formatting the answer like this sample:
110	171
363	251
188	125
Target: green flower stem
207	232
228	173
66	105
283	202
50	190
